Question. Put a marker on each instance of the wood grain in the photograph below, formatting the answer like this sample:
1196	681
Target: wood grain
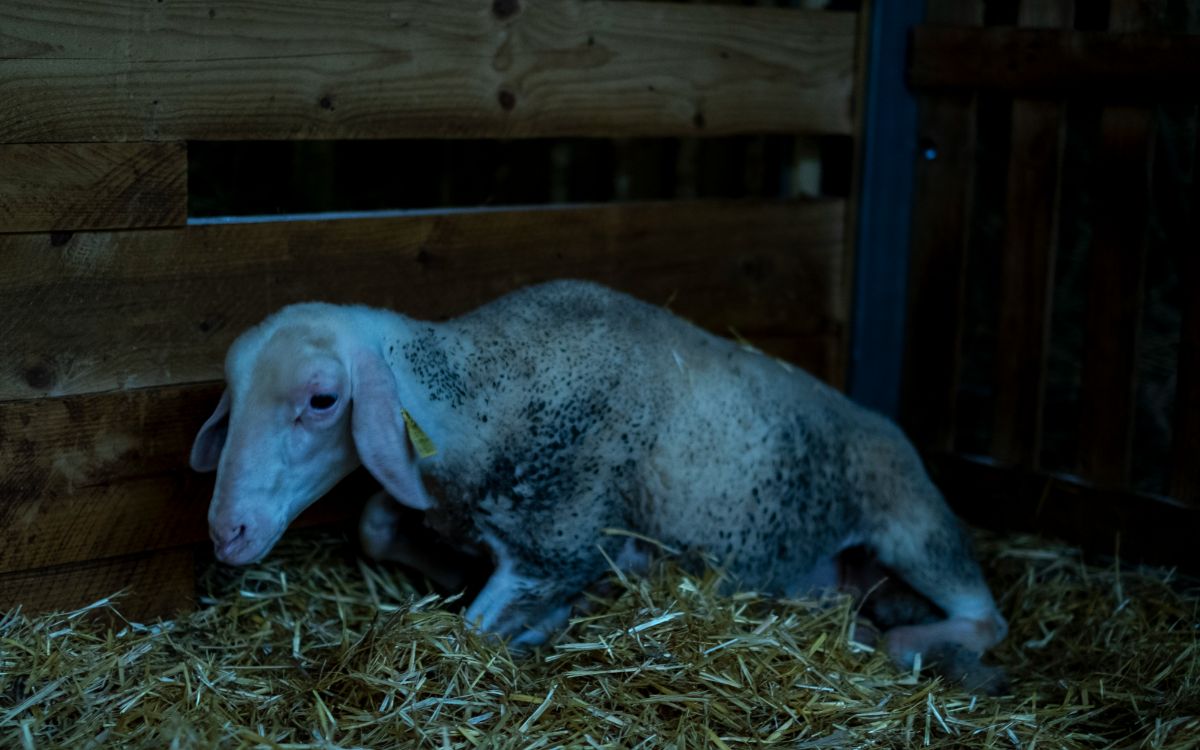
937	266
102	475
1122	67
261	69
67	186
102	311
154	584
1028	251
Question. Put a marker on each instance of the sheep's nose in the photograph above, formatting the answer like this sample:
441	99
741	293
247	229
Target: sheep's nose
225	537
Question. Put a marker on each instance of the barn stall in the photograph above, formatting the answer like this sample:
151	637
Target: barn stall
174	171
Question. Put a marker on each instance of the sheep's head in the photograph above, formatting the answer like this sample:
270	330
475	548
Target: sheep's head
309	396
279	439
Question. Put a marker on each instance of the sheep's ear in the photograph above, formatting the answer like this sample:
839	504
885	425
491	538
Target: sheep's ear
206	450
380	436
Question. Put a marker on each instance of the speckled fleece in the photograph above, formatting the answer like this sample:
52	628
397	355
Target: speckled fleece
565	409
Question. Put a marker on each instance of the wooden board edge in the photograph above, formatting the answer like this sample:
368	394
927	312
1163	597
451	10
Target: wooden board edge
1136	528
141	587
158	305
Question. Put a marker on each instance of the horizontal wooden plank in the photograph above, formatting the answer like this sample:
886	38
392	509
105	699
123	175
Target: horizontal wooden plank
105	475
100	311
67	186
101	475
1141	528
155	584
220	69
75	445
96	476
1115	66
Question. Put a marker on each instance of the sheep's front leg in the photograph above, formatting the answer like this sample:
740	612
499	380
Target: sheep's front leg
519	606
538	633
528	600
390	532
546	553
506	594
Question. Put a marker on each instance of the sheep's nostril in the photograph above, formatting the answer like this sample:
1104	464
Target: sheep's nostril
228	535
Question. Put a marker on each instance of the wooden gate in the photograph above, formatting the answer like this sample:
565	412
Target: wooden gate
1045	259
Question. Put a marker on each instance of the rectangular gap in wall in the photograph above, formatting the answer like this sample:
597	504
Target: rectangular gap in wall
275	177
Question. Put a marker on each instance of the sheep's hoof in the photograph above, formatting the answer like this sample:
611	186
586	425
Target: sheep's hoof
964	667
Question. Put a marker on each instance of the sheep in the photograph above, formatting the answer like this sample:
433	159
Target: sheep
537	425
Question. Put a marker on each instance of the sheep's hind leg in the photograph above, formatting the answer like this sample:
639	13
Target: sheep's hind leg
931	552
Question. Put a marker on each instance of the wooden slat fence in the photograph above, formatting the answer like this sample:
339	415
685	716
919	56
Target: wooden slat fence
1042	68
115	310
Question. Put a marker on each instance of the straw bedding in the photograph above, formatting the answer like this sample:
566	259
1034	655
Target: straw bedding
316	649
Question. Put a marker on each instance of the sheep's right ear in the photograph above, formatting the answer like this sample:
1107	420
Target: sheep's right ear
206	450
380	434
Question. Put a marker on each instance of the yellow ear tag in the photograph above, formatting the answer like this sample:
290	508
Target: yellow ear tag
425	447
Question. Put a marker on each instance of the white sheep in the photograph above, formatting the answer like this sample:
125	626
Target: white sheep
566	410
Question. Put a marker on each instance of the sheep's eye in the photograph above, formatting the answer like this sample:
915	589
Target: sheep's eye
322	401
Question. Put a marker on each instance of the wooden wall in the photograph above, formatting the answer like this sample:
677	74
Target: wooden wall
115	311
1042	198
